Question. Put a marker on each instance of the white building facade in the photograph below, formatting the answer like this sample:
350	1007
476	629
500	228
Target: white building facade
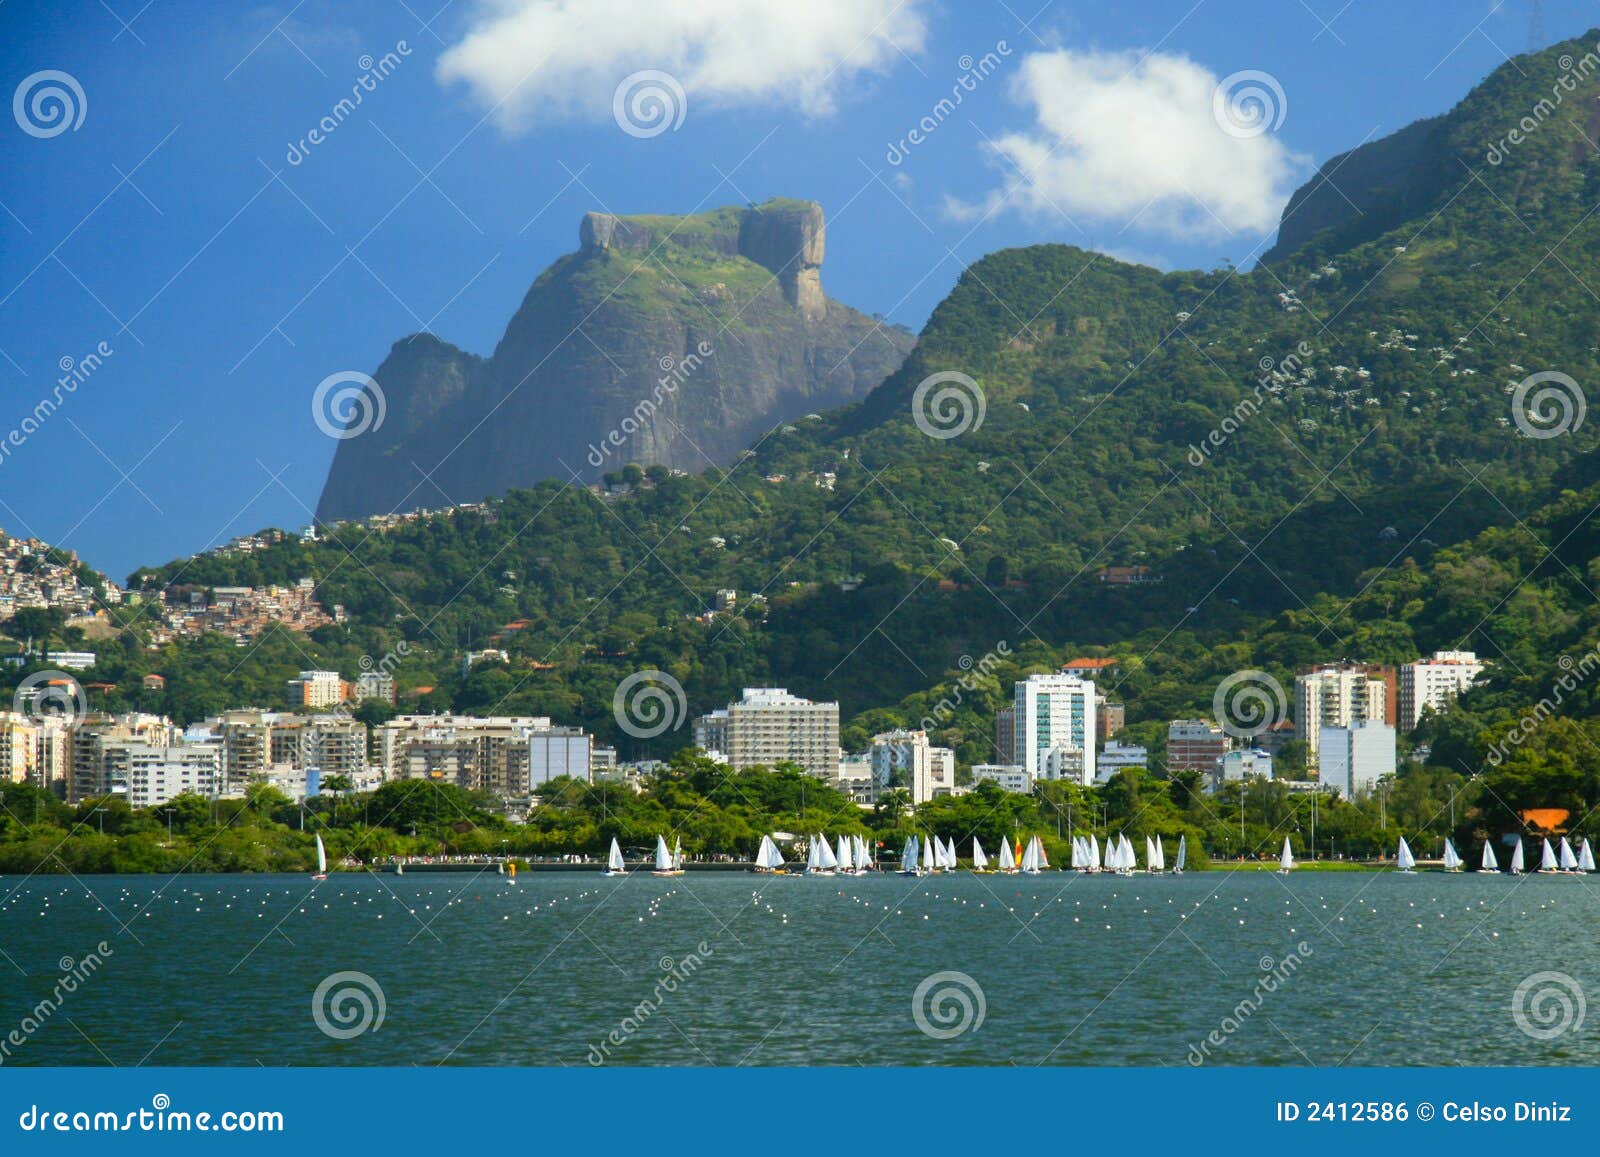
1054	717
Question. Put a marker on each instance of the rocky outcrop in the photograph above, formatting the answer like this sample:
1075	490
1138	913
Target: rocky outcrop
676	341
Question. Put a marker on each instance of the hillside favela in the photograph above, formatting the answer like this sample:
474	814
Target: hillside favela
919	535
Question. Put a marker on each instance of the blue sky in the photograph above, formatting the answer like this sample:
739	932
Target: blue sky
227	278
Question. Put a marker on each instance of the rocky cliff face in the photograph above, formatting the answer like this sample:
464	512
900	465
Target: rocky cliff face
664	340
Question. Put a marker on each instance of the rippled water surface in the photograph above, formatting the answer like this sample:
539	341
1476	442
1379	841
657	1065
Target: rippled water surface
723	969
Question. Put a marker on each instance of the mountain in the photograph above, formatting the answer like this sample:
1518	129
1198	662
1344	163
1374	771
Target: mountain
675	341
1279	447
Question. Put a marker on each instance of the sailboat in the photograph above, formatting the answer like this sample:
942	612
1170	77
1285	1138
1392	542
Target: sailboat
1516	858
1286	860
1127	864
1547	859
322	860
768	857
1093	864
1585	857
1404	861
1489	864
1155	855
1038	848
847	864
820	860
1183	855
863	858
950	862
980	862
908	859
1452	862
1030	858
930	860
1569	862
667	864
615	864
1008	863
1076	863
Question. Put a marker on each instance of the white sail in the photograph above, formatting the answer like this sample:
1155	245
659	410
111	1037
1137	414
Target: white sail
1452	862
1489	863
980	862
929	860
677	854
1547	858
846	861
663	855
1183	854
1077	853
1286	860
825	857
1569	862
1008	861
945	853
1044	860
615	862
322	857
1129	862
1403	858
1517	862
908	858
1585	857
863	861
1030	857
1094	853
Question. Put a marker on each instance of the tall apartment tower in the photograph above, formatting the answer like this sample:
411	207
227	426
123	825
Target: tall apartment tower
1341	696
1054	720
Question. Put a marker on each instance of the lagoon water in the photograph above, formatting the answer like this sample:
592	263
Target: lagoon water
1317	968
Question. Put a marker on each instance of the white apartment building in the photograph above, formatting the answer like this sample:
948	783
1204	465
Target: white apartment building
1054	721
1115	757
1007	775
768	726
1336	696
149	776
1354	758
510	755
907	760
1434	683
1241	765
856	778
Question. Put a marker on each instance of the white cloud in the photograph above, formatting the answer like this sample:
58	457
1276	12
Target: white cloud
1130	140
531	60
